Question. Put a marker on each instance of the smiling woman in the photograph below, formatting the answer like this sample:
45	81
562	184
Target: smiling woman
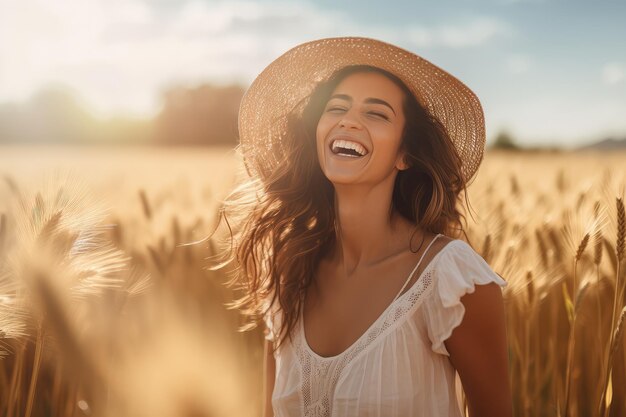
348	173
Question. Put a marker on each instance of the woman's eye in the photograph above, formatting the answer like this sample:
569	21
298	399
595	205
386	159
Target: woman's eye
335	109
382	115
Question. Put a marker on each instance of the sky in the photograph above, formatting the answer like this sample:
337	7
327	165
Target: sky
549	72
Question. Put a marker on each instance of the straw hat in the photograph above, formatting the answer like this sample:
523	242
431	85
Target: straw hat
294	75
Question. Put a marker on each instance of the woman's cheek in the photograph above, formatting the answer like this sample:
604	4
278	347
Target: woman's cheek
322	127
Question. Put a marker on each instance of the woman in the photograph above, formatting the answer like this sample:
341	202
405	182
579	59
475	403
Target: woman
358	152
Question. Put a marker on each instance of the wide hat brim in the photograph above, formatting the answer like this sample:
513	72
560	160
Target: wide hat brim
291	77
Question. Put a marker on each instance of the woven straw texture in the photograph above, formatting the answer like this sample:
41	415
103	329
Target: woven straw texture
292	76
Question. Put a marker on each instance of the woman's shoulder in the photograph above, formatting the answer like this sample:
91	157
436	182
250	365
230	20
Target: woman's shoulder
460	265
453	247
442	245
442	241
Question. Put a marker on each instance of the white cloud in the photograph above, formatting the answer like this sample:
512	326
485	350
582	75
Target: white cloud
421	37
120	53
476	32
518	64
613	73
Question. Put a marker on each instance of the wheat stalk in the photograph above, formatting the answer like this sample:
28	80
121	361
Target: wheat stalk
572	318
30	398
621	230
556	244
486	252
581	248
617	334
3	232
543	250
597	258
605	399
145	204
530	287
77	359
619	255
58	233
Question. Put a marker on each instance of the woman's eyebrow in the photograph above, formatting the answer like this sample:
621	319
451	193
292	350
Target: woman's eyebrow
367	100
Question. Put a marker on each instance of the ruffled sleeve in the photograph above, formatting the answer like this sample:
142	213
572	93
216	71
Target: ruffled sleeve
458	269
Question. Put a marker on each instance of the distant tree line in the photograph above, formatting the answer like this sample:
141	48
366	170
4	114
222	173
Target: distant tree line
504	140
199	116
204	115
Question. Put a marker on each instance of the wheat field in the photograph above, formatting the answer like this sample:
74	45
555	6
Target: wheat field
108	305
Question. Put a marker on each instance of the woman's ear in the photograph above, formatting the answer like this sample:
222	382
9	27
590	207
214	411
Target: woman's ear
401	164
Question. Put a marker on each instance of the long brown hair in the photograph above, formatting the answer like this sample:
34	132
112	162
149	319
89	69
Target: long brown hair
285	224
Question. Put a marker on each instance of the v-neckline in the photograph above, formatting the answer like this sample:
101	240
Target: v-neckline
428	267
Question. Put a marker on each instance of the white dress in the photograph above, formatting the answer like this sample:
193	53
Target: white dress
400	365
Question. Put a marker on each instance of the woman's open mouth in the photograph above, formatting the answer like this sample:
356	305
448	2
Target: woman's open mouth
347	148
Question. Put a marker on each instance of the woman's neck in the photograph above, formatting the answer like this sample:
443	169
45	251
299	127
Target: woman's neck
368	232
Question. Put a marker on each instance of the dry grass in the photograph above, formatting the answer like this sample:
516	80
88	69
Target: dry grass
105	311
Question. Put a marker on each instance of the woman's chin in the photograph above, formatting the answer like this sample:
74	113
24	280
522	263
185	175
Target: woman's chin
338	177
342	169
342	173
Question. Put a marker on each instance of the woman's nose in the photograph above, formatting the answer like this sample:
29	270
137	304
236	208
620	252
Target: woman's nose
349	121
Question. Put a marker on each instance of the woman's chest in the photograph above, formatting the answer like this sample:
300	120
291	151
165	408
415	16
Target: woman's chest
338	310
336	316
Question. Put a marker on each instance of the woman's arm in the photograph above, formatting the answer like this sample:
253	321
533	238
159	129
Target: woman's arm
269	372
478	351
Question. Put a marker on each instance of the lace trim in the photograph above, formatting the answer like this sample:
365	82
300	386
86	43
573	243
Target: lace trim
320	375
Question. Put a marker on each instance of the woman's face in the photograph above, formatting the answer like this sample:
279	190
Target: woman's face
360	131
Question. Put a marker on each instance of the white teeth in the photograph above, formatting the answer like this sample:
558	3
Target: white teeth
340	143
